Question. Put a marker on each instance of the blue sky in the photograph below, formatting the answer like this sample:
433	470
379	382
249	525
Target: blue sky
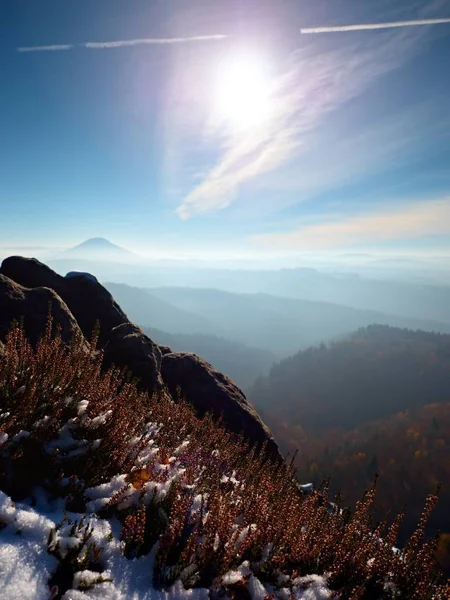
122	140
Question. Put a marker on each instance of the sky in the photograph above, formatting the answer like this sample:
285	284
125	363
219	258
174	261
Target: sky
190	127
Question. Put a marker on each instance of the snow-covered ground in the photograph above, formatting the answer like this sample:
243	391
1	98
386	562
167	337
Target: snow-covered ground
26	565
38	537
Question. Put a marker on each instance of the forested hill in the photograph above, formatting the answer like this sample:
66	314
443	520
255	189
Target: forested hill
376	372
378	401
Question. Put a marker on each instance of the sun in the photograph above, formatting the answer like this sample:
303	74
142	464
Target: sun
242	92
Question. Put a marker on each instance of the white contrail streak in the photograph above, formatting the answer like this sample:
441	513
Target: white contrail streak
124	43
53	48
365	26
155	41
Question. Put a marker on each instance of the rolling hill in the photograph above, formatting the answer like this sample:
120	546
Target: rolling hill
150	311
280	325
378	401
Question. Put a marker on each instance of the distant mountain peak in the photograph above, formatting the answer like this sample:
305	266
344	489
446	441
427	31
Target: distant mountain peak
99	248
98	242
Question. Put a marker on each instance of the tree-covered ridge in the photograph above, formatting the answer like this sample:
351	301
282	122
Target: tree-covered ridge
376	372
378	401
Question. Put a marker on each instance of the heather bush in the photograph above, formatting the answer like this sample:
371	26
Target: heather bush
197	496
71	542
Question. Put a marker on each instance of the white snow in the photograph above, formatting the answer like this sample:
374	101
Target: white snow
41	422
101	495
100	420
243	535
306	487
181	447
82	407
311	587
25	565
20	436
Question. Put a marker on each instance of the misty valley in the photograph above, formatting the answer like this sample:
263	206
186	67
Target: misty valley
224	300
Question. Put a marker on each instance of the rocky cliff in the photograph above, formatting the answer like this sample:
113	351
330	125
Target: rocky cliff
77	302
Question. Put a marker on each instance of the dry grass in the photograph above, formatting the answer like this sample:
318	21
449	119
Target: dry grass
228	505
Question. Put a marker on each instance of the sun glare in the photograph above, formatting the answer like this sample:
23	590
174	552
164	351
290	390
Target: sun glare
242	92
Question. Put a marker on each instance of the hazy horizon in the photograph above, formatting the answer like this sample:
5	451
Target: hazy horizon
412	267
224	131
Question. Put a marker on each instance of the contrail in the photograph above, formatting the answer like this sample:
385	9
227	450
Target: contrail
53	48
123	43
156	41
365	26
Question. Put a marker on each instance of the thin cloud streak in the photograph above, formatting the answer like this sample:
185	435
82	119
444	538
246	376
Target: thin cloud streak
54	48
368	26
410	221
127	43
156	41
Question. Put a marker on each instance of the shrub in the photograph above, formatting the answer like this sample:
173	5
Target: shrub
208	501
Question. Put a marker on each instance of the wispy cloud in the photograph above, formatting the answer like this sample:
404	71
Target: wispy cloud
368	26
408	221
340	156
54	48
126	43
156	41
316	84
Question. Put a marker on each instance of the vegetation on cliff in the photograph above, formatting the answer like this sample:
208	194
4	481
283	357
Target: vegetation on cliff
141	483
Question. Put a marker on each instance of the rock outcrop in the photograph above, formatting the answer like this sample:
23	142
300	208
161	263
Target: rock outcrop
128	346
164	349
78	302
89	302
33	305
210	391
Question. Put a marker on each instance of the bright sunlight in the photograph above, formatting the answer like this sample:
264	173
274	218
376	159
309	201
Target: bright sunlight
243	92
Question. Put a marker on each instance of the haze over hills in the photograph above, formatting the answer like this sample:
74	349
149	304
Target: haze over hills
244	334
407	299
243	364
150	311
98	250
280	325
397	297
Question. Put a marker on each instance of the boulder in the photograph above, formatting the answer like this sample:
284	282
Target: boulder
164	349
129	347
210	391
33	305
87	299
79	301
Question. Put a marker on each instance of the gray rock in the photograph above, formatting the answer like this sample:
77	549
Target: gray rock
210	391
81	274
88	301
79	302
129	347
165	349
32	305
